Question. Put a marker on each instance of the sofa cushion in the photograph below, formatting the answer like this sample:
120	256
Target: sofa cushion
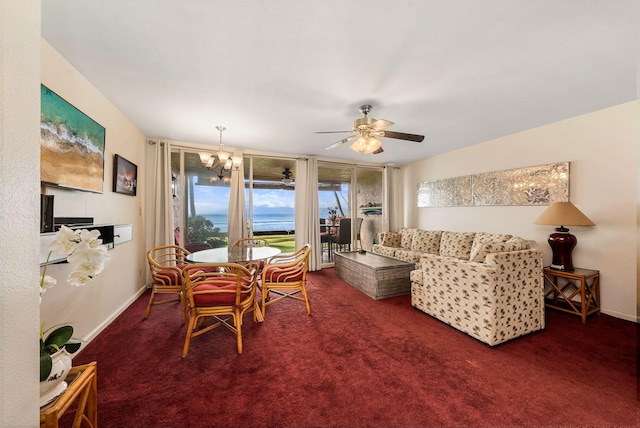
391	239
456	244
384	251
427	241
407	237
480	240
513	244
408	255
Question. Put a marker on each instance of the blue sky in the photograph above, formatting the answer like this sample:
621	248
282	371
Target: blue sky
215	200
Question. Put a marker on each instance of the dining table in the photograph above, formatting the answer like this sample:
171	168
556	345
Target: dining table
233	255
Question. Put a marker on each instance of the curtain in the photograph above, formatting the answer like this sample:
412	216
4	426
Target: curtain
392	201
237	224
307	216
163	197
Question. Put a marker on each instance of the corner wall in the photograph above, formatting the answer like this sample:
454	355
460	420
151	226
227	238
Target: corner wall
92	307
19	201
602	148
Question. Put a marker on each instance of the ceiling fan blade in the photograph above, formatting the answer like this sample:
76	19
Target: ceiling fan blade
331	132
402	136
380	123
380	150
339	143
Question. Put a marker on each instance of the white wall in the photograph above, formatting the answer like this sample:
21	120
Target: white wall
90	308
19	201
602	148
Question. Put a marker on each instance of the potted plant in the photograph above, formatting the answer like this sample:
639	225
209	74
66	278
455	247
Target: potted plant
87	257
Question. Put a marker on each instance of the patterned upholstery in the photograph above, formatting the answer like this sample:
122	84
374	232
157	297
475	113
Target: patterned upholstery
407	237
427	241
494	301
390	239
513	244
479	242
495	297
456	244
408	255
383	250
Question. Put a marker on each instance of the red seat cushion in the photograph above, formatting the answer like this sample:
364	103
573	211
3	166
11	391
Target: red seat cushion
284	275
213	299
168	277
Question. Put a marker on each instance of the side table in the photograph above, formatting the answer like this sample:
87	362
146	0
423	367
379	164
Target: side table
83	384
562	288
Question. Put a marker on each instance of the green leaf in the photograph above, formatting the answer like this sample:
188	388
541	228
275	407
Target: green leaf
73	345
45	365
59	337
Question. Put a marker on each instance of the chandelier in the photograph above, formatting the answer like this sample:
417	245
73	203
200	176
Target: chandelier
221	166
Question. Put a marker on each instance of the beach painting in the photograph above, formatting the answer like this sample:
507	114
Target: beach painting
71	145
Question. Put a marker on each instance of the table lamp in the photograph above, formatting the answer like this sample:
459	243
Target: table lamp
562	242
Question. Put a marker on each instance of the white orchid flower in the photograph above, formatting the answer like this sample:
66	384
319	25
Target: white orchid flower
66	241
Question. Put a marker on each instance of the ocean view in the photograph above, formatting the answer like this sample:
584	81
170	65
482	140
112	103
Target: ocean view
261	222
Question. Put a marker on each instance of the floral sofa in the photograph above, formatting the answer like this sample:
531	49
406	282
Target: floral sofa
488	286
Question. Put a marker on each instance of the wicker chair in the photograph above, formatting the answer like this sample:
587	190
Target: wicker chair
286	275
222	291
166	263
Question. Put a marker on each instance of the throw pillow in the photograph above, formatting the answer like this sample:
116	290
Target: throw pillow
513	244
391	239
407	237
456	244
427	241
482	238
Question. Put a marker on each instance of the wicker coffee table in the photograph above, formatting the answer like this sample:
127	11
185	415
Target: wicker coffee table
376	276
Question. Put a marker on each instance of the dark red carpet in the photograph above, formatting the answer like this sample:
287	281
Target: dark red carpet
356	362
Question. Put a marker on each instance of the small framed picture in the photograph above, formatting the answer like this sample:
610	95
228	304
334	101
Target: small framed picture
125	176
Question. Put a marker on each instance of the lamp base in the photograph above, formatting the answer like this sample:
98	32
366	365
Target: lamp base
562	244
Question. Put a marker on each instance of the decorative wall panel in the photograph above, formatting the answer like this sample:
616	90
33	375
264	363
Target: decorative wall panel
450	192
536	185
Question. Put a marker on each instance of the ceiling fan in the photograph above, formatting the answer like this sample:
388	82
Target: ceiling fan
286	176
366	129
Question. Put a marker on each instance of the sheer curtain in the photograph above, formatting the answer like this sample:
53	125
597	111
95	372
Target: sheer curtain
307	216
237	224
162	197
391	204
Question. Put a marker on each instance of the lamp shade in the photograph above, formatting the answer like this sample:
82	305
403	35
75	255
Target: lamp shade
562	242
563	214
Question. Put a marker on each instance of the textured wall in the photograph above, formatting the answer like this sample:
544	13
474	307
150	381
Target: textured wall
19	211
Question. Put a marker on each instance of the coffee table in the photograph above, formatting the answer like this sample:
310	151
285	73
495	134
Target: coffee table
376	276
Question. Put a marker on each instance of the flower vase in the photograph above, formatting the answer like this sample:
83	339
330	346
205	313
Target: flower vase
55	384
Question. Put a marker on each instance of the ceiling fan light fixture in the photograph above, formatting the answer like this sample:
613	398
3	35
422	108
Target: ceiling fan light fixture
366	144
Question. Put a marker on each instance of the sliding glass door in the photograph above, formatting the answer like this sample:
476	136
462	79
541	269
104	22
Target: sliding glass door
350	207
270	187
200	201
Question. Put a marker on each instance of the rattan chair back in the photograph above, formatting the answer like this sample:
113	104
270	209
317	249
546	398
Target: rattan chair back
223	292
285	275
165	264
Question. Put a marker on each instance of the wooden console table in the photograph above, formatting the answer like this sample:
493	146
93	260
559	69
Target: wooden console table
83	384
566	286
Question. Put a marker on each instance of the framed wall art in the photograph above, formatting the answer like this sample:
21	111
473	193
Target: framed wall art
71	145
125	176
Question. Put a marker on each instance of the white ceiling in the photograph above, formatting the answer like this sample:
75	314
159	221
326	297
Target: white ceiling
459	72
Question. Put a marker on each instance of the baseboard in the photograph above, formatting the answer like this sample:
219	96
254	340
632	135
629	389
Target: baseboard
627	317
